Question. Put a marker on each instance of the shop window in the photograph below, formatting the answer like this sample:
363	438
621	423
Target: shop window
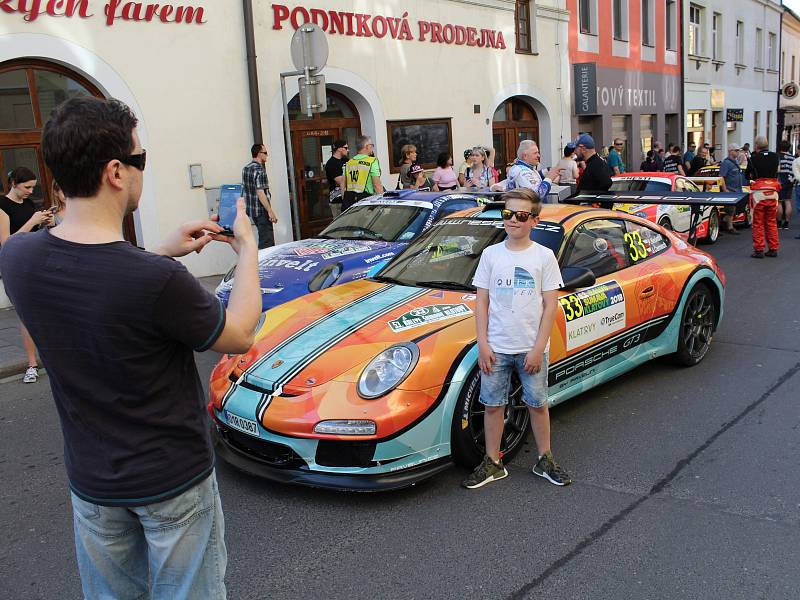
756	119
430	136
16	106
716	36
523	26
646	128
671	24
772	48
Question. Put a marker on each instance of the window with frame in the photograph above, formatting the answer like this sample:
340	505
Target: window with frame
759	48
739	42
671	24
648	23
587	17
695	37
430	136
598	245
523	26
756	119
620	20
772	47
716	36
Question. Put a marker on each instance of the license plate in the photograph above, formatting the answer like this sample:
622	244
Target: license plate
244	425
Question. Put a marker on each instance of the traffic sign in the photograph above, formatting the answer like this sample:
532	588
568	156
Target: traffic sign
312	94
309	48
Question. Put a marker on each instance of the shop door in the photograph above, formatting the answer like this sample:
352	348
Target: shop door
514	121
312	141
29	92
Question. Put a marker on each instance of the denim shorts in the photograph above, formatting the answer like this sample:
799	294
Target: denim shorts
495	388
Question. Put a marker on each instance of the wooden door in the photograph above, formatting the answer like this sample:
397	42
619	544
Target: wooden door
514	121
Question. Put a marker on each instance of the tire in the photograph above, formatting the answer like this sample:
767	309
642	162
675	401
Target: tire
666	224
713	228
466	438
697	325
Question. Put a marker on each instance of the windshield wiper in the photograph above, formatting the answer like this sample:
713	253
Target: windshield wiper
447	285
367	232
386	279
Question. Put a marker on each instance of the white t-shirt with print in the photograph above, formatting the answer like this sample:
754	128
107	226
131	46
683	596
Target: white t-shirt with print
516	280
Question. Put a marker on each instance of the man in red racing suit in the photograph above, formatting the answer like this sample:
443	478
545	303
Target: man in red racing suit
764	167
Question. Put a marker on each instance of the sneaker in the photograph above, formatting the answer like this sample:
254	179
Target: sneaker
786	224
484	473
757	254
31	375
771	253
550	470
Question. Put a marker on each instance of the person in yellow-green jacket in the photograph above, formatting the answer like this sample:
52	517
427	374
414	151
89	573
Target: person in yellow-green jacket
362	174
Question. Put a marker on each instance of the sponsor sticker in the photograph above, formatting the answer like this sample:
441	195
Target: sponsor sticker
593	313
428	314
241	424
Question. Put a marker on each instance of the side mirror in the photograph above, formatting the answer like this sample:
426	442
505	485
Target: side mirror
373	270
577	277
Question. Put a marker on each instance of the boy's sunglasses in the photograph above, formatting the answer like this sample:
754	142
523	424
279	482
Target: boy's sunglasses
522	215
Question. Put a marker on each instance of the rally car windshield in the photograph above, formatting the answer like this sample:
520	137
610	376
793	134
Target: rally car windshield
382	222
639	185
446	256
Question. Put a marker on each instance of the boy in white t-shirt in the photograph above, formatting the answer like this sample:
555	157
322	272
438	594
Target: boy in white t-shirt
518	282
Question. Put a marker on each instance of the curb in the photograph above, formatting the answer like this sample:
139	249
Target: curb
12	368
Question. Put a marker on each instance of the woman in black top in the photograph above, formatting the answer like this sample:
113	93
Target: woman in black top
18	213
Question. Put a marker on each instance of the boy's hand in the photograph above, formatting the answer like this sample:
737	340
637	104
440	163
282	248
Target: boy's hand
486	359
533	361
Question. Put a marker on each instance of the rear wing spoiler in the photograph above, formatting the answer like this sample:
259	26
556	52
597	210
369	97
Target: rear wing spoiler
696	200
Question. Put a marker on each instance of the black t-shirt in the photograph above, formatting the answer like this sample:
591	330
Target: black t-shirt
595	177
671	163
764	165
18	213
334	168
698	162
115	327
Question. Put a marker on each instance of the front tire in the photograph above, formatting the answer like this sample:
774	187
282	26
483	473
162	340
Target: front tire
466	438
697	325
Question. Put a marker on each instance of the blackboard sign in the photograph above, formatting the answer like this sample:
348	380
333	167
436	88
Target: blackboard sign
431	137
734	115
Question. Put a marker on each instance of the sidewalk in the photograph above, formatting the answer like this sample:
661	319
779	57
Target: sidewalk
12	356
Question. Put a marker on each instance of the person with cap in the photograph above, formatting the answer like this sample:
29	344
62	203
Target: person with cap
733	179
596	176
420	182
334	171
524	173
659	154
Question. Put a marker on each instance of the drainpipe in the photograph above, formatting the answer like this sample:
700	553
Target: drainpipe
682	116
252	71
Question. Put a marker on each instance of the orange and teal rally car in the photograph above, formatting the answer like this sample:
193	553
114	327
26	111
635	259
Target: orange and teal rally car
374	384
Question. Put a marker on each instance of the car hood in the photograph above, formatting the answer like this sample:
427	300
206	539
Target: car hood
332	334
285	270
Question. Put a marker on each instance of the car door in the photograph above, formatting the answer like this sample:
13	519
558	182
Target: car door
592	324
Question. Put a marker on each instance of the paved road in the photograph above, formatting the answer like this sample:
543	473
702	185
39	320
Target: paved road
686	486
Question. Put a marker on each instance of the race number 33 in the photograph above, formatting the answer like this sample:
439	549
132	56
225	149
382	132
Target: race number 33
636	248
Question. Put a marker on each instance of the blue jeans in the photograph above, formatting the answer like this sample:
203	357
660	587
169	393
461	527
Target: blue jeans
178	545
496	386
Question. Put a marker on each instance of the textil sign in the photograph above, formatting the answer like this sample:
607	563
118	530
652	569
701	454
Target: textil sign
618	91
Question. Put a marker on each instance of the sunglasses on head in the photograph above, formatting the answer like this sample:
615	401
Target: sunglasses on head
522	215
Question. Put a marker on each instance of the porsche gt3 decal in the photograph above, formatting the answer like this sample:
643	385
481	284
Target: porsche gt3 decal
593	313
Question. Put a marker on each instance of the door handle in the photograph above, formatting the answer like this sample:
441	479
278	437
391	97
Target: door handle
647	292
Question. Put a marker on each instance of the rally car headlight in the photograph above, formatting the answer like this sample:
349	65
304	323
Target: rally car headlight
387	370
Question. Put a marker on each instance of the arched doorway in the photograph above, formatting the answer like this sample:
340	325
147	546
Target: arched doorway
29	92
513	121
312	138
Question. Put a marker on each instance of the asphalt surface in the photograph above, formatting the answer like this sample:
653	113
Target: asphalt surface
686	486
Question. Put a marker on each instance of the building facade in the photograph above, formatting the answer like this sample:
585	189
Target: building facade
442	74
789	105
626	72
731	53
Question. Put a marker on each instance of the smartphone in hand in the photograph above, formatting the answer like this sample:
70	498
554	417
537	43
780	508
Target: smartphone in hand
228	194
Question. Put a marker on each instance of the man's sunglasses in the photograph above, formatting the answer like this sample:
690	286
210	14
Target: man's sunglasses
522	215
134	160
